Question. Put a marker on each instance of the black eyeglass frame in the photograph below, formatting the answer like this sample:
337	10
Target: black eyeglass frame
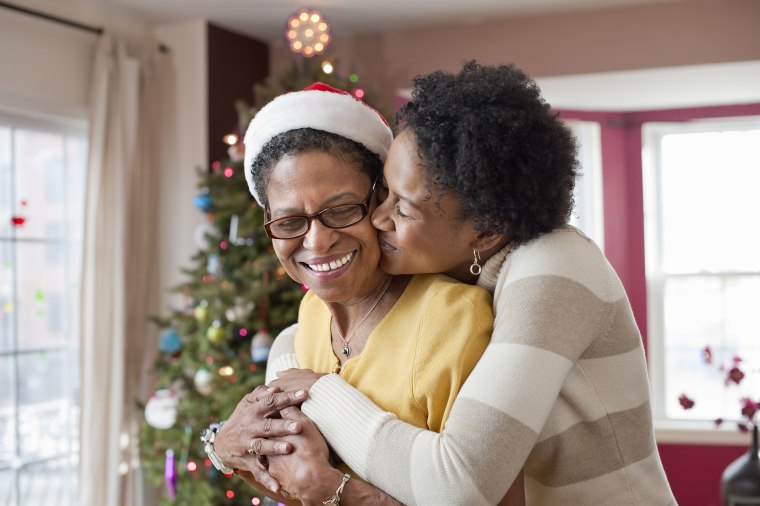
318	216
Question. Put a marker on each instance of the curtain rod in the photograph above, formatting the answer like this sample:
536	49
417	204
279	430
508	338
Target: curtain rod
73	24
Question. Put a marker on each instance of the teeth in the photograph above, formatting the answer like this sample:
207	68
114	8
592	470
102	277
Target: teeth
331	265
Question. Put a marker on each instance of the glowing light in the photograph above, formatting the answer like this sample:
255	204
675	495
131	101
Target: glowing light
224	245
230	494
216	165
252	367
209	360
307	32
359	93
226	371
8	307
207	462
243	332
231	139
353	78
255	501
327	67
228	172
192	466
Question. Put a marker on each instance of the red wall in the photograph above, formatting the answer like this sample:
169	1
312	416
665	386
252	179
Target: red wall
694	471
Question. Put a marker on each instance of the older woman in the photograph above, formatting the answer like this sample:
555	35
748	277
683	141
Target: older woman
314	161
562	389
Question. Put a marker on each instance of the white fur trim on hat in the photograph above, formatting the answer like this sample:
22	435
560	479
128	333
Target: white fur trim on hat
322	108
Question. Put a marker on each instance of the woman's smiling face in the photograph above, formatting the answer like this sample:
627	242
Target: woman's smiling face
337	264
421	228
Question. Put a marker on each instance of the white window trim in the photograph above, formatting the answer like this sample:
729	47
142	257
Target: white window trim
671	431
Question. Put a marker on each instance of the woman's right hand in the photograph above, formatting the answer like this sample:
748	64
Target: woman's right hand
243	441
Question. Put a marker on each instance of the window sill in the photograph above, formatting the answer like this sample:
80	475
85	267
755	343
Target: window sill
699	433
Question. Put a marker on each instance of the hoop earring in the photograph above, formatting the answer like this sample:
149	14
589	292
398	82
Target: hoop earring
475	267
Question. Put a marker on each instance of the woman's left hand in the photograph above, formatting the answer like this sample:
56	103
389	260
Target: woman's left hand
293	380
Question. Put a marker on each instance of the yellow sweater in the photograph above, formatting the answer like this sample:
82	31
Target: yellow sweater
417	357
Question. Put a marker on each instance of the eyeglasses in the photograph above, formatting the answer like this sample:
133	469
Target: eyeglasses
291	227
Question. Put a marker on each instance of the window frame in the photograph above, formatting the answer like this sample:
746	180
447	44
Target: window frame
668	430
66	128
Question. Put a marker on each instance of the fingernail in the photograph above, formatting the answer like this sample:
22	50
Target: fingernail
300	394
273	487
292	427
281	447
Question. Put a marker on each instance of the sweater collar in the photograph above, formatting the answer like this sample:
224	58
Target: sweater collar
490	273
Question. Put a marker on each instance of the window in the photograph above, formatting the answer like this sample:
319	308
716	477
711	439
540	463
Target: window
588	211
701	183
42	171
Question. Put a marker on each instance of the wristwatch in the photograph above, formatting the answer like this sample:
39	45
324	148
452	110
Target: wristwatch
208	436
334	500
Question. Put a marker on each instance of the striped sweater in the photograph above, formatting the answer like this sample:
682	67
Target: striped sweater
562	390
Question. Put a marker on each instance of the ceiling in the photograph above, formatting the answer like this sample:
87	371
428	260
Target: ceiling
265	19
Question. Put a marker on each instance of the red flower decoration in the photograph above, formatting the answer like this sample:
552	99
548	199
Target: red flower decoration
707	355
18	221
685	402
749	408
735	375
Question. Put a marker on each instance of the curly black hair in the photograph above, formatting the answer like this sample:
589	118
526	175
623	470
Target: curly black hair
487	135
301	140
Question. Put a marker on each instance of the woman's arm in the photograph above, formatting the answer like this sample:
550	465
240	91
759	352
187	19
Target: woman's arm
545	319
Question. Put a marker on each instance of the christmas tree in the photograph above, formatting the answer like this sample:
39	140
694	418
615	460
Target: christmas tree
214	350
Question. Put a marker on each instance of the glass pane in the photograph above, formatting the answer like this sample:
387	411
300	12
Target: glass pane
47	483
7	487
709	201
7	302
719	312
6	182
76	167
40	184
7	411
47	414
42	295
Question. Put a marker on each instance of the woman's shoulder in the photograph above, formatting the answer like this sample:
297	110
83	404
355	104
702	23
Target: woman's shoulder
432	285
565	253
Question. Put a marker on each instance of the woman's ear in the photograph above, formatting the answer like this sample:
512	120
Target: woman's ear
485	241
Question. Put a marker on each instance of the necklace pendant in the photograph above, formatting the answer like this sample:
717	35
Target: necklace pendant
346	350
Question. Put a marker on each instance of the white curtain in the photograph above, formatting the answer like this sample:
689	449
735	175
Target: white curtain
119	258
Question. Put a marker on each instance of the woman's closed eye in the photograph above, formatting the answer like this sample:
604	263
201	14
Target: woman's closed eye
399	212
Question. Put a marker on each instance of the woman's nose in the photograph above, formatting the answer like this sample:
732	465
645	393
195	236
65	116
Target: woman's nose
381	216
320	237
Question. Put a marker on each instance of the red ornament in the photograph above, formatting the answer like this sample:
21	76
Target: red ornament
18	221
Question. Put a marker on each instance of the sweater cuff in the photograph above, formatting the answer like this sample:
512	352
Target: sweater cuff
281	363
348	420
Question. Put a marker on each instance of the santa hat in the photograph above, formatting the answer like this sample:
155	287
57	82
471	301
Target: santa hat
320	107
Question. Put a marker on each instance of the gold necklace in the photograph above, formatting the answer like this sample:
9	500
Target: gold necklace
346	350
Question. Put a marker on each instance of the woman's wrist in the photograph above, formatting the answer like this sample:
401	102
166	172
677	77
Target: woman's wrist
325	482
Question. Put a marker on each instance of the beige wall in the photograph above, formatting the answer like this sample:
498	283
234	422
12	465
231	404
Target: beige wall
689	32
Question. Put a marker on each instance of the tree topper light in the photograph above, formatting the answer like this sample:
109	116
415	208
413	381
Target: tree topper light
307	32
